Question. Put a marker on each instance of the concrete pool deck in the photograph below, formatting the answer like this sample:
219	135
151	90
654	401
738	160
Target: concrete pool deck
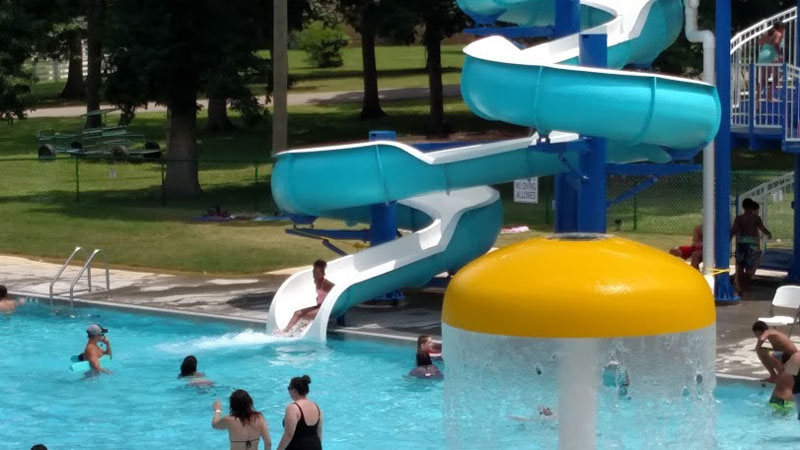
247	299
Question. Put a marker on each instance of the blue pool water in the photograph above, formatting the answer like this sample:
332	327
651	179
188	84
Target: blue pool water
367	402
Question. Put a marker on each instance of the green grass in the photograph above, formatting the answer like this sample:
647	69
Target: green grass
120	205
121	209
398	67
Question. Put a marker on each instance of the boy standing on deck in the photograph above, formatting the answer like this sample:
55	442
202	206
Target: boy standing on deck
746	229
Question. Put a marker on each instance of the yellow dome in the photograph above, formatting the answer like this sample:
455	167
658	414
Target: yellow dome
578	286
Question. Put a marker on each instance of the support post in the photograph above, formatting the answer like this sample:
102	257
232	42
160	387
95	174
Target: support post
723	290
568	17
566	201
592	192
280	75
568	21
794	270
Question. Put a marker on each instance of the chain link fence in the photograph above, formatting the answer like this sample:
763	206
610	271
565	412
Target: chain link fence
230	185
672	205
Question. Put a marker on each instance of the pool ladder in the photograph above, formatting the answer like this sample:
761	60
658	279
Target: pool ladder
87	268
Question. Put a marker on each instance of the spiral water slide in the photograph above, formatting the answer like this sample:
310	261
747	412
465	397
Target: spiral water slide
442	196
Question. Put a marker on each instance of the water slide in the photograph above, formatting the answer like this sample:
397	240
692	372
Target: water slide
443	197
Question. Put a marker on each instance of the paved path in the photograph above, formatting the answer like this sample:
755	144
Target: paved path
305	98
248	298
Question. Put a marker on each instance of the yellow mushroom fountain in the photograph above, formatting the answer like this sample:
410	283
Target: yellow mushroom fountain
579	341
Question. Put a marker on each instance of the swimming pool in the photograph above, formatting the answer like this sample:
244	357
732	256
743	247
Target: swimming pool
359	385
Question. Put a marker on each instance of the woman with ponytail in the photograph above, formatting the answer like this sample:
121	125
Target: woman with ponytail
302	423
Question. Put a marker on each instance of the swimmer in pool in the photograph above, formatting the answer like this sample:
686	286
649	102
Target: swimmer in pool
425	367
425	344
7	305
93	352
323	286
189	370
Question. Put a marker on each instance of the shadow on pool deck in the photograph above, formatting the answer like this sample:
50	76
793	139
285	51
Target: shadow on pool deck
249	297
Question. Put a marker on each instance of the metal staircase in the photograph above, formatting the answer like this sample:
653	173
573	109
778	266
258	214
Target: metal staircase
86	268
764	96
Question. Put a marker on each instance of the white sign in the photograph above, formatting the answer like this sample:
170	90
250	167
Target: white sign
526	190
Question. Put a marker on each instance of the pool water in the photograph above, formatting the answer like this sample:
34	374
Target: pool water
360	386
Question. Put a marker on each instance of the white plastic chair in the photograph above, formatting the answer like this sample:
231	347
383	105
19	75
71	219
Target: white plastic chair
787	297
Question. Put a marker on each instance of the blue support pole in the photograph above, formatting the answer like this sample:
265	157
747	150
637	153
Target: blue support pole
568	21
592	192
794	270
568	17
566	199
722	165
383	223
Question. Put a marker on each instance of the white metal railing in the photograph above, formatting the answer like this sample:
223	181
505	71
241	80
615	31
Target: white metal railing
792	109
764	83
86	268
763	94
744	45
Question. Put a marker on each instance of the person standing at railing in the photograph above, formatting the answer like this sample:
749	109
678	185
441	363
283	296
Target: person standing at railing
770	52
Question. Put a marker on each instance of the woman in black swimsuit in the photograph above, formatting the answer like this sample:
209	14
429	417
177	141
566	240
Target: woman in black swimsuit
298	431
245	425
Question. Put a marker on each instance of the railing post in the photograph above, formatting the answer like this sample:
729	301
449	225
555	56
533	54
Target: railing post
163	188
751	107
255	185
784	98
77	179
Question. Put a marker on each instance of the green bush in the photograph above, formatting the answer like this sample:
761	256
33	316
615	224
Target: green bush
323	44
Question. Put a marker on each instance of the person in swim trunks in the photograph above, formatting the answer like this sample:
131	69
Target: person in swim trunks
791	366
746	229
692	252
782	399
781	345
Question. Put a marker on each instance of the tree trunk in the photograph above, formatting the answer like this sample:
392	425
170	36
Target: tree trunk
218	115
433	65
75	89
95	22
371	108
181	180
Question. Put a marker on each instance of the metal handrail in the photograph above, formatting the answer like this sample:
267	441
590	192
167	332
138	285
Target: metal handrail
755	30
87	267
61	270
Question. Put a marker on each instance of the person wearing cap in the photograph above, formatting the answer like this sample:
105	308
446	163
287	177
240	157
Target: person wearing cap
93	352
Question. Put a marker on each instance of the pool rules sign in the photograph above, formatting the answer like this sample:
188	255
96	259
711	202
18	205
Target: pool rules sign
526	190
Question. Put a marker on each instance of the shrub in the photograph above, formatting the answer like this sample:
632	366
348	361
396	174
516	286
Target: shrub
323	45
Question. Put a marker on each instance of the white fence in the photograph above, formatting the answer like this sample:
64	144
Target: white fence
46	70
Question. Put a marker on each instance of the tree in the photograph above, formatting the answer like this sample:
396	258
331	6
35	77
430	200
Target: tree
95	30
166	51
64	27
373	18
441	19
222	91
363	16
17	33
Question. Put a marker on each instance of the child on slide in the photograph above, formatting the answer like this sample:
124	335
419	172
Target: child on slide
323	287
